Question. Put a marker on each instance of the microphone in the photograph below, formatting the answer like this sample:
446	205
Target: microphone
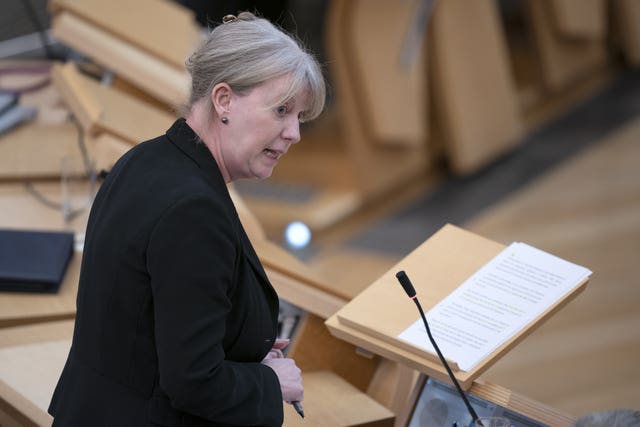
411	292
406	284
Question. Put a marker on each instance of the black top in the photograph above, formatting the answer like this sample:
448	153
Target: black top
174	310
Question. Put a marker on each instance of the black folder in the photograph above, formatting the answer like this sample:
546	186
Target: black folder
34	261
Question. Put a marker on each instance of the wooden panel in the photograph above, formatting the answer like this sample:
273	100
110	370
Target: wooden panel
105	109
306	297
626	17
372	166
474	89
32	359
142	69
392	88
74	91
562	61
332	402
327	197
276	258
315	349
37	151
32	371
580	19
162	28
22	209
350	270
106	150
392	385
249	221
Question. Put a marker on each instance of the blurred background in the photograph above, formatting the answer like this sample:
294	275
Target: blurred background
518	120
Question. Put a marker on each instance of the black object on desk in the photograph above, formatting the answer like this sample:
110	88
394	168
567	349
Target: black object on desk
34	261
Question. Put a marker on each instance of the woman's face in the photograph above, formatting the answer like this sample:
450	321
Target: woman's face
258	133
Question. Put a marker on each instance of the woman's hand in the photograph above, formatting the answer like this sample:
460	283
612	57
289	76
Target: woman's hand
288	373
276	350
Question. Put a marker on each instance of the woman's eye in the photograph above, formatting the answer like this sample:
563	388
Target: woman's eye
282	110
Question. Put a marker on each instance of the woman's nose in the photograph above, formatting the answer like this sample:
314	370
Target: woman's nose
292	131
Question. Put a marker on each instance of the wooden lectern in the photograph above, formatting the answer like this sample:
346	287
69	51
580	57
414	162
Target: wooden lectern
375	318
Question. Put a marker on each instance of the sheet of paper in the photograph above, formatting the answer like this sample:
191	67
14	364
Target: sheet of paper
496	302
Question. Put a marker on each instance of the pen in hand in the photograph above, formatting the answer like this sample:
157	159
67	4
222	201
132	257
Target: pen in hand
274	354
298	407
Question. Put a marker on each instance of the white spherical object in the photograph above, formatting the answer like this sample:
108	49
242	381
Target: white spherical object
297	234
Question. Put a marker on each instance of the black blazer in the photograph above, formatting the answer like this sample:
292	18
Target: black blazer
174	310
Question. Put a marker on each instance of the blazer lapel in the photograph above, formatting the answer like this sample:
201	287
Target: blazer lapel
181	135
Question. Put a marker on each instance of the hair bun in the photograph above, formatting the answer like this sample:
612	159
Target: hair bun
242	16
246	16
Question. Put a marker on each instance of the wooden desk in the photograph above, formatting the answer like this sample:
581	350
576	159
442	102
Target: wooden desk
332	402
21	210
102	109
31	359
36	151
18	308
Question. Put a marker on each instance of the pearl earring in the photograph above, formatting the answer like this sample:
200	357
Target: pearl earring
224	120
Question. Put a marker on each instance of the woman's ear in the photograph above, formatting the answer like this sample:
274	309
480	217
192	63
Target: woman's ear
221	98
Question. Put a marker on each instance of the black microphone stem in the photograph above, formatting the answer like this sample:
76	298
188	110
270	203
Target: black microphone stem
473	413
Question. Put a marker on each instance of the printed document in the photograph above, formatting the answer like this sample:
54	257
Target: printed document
495	303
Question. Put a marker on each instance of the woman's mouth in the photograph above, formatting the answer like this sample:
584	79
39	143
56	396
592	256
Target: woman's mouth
271	153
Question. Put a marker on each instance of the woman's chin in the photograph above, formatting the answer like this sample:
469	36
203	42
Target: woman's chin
263	173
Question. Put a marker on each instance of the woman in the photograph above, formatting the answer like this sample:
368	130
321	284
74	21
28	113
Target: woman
176	319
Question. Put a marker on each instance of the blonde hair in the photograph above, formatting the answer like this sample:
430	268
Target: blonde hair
247	51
